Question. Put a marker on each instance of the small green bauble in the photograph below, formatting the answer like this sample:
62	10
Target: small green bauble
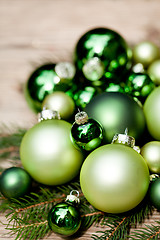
139	85
60	102
152	113
45	80
48	154
86	133
151	153
154	193
154	71
145	53
64	218
15	182
102	52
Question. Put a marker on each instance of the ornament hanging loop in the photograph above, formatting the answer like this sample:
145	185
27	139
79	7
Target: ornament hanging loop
73	198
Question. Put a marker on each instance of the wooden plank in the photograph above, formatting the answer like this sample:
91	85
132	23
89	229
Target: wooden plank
36	31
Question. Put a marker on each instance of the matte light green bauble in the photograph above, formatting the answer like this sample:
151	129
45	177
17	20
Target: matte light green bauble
114	178
60	102
43	81
116	111
102	52
154	193
64	218
151	153
48	154
145	53
15	182
139	85
154	71
152	113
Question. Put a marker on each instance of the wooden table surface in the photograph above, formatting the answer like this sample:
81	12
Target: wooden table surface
33	32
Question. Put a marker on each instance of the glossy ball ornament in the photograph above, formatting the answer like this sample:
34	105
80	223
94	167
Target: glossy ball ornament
15	182
139	85
115	111
151	153
102	52
152	113
154	193
60	102
114	178
42	82
64	218
154	71
145	53
48	154
86	133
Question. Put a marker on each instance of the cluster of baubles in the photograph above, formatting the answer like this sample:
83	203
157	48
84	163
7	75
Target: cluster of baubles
110	87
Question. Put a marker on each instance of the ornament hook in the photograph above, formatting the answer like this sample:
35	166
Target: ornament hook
73	198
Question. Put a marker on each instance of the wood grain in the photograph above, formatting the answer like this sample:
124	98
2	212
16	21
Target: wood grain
33	32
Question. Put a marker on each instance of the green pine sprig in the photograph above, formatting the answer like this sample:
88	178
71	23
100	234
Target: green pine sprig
27	216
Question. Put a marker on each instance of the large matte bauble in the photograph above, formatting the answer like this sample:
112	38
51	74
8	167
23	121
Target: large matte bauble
64	218
42	82
48	154
152	113
154	71
15	182
145	53
154	193
116	111
151	153
114	178
107	46
60	102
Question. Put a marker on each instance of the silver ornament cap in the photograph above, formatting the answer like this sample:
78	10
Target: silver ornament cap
46	114
72	198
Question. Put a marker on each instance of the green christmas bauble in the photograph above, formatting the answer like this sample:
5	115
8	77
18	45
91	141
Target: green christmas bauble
152	113
151	153
60	102
114	178
102	52
48	154
116	111
64	218
154	193
145	53
42	82
15	182
139	85
154	71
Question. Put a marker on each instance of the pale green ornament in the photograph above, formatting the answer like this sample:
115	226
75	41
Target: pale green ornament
48	154
114	178
154	71
152	113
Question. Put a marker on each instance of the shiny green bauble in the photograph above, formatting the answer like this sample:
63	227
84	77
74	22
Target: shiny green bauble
43	81
48	154
114	178
151	153
105	46
64	218
154	193
116	111
152	113
139	85
154	71
60	102
145	53
15	182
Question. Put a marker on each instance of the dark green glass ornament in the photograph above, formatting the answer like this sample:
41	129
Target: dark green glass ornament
154	193
64	218
15	182
86	133
102	52
45	80
139	85
113	87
